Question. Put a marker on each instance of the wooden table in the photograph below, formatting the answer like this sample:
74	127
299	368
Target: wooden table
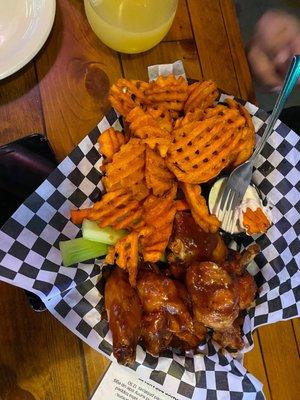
63	94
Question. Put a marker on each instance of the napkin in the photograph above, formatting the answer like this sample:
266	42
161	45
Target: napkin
30	258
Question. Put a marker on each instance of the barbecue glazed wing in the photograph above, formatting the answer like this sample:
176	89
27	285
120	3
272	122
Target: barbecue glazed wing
156	334
230	337
124	312
167	320
236	267
190	243
214	295
247	290
158	292
236	263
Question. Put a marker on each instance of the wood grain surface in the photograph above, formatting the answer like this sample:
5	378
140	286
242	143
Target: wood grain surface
20	106
63	94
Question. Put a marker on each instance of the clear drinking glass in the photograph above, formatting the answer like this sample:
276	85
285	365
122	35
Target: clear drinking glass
130	26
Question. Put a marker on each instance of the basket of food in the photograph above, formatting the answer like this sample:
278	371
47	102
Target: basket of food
122	245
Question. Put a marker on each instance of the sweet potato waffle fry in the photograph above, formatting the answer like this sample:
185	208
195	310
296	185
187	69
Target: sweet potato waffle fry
143	125
255	221
126	255
110	142
167	92
117	209
159	178
201	150
201	95
126	94
191	116
153	128
199	209
127	170
162	117
161	145
247	142
159	213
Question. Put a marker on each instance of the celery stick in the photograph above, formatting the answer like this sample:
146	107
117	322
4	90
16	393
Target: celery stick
78	250
92	231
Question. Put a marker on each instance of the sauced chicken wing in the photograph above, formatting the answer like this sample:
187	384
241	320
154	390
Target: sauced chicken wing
214	294
124	312
186	340
247	290
237	262
167	320
220	292
190	243
158	292
236	267
156	334
230	337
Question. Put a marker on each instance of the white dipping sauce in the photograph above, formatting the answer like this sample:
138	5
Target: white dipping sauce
251	200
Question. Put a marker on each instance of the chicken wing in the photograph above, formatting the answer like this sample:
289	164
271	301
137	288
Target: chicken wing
167	316
247	290
158	292
237	262
186	340
230	337
190	243
156	335
124	312
214	295
236	267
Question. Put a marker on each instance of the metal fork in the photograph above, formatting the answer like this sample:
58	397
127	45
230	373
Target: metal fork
240	177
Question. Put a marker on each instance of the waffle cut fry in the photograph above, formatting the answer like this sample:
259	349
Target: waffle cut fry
199	209
117	209
191	116
126	94
162	117
201	150
246	144
161	145
167	92
110	142
127	170
159	213
201	95
143	125
125	254
159	178
154	132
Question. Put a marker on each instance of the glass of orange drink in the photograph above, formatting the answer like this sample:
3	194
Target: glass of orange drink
130	26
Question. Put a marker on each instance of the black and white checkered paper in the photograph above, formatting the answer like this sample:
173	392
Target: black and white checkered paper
30	258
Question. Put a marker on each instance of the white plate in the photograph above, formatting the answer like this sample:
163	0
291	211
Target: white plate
24	28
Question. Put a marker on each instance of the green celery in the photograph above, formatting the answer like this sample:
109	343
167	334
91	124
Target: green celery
77	250
92	231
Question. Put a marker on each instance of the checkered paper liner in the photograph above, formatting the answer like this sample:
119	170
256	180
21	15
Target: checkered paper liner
30	259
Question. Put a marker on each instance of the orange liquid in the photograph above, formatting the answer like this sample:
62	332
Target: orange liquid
130	26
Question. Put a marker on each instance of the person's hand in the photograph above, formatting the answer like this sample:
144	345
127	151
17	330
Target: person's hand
276	39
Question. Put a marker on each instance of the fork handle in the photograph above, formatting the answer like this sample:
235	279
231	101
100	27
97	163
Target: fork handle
290	81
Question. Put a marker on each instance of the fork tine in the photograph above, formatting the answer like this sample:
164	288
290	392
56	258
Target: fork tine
236	201
222	209
233	221
228	219
225	195
228	210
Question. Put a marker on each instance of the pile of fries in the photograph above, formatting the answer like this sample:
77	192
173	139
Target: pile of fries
176	138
